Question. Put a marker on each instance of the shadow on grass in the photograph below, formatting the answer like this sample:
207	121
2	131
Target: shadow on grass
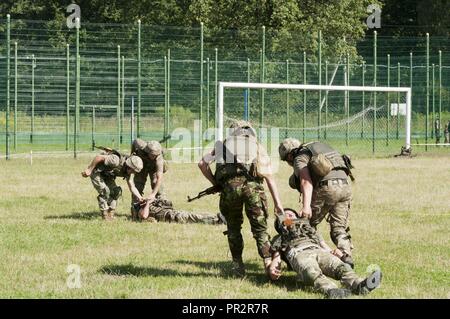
94	215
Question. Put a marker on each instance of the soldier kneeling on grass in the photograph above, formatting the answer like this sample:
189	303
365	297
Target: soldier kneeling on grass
103	171
161	210
313	260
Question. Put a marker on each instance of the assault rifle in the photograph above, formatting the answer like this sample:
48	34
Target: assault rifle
209	191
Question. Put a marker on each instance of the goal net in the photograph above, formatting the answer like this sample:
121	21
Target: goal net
353	116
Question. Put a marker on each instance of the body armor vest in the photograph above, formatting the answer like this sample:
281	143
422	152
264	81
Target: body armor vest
300	234
238	158
120	170
334	158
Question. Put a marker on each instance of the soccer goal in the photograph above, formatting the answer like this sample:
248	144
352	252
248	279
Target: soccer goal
378	110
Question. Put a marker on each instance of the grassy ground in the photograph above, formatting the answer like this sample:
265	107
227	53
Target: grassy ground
400	220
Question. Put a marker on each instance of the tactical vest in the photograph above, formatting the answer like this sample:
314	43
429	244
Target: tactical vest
238	158
333	156
300	234
118	171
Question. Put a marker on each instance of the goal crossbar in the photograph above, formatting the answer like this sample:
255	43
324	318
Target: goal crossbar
246	85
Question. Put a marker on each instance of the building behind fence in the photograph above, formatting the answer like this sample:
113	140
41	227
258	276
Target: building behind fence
69	89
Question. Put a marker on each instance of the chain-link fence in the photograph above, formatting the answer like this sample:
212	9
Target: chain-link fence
143	80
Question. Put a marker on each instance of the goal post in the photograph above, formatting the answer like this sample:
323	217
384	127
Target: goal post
310	87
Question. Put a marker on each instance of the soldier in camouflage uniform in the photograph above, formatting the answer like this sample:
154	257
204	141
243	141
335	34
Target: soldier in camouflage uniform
103	171
161	210
242	165
154	167
321	173
311	258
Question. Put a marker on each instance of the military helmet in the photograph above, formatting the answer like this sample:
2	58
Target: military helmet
287	146
242	128
139	144
135	163
278	224
153	148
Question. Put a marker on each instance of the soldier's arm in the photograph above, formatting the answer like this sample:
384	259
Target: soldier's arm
133	189
204	167
158	176
274	193
97	160
306	186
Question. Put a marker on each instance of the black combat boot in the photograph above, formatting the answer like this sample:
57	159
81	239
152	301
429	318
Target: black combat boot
238	267
370	283
337	293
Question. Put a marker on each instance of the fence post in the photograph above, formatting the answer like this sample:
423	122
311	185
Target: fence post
263	75
207	93
8	57
216	56
440	86
397	135
326	100
32	97
248	90
319	69
93	127
67	95
433	116
363	118
287	100
201	83
168	93
347	100
374	121
15	95
388	98
122	95
77	88
165	96
118	98
138	124
304	94
428	92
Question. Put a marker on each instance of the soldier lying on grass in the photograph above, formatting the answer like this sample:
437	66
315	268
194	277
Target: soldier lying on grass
313	260
161	210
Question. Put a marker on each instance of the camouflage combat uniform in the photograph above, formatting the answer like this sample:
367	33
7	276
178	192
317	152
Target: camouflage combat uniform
299	246
242	187
151	167
103	177
162	211
332	193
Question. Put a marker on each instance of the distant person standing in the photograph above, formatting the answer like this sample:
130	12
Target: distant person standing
446	132
437	130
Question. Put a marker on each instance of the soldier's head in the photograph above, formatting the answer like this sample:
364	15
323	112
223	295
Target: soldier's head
285	149
134	164
153	149
242	128
139	144
289	214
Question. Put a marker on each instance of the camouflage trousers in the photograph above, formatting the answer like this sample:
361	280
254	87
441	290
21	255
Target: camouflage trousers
237	193
314	266
334	199
182	217
108	191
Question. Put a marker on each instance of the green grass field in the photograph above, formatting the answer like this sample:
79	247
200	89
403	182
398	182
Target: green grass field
400	220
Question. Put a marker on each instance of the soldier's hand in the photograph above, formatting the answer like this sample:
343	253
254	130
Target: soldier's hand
86	173
275	270
337	252
151	198
306	212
